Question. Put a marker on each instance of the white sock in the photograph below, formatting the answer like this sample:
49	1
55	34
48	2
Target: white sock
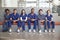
45	30
30	30
18	30
10	30
53	30
34	31
39	31
49	30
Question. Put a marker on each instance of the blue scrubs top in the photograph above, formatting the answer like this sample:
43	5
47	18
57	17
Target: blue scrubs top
32	16
14	17
23	16
7	17
49	17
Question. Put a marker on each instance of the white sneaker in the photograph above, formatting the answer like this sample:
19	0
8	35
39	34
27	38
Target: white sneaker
53	30
40	31
45	30
49	30
30	30
34	31
18	30
10	30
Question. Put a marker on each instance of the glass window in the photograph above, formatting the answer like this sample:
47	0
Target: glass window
43	0
58	10
30	4
43	4
21	5
31	0
9	3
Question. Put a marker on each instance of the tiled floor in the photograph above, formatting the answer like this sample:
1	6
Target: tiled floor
31	36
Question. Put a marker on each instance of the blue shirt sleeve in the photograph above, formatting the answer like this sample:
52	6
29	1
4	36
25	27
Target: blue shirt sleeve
51	16
45	15
36	17
28	15
18	15
11	15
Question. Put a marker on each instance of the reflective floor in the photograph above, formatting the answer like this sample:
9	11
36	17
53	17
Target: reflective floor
31	36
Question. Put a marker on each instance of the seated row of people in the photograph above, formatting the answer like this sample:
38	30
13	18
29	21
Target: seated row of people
20	19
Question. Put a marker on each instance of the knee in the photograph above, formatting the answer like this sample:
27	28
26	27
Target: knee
29	22
23	23
48	22
52	22
44	22
18	22
35	22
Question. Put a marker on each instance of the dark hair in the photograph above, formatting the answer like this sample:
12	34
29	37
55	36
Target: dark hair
48	10
40	10
32	8
7	10
14	9
22	11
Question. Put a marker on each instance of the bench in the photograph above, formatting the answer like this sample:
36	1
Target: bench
56	23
